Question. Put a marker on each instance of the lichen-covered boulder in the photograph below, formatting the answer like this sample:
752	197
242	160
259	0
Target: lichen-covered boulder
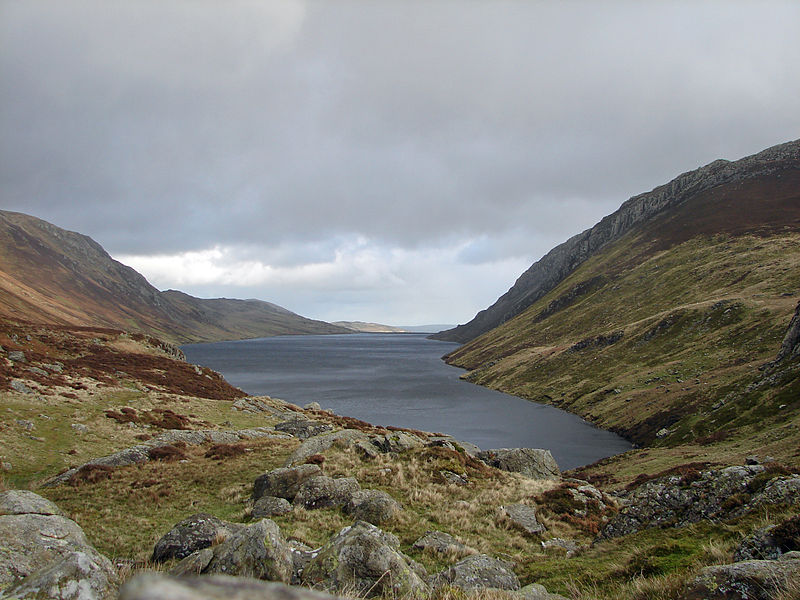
320	443
522	517
283	482
258	550
365	559
373	506
75	576
326	492
751	579
535	591
476	572
303	428
269	506
156	586
535	463
439	542
25	502
192	534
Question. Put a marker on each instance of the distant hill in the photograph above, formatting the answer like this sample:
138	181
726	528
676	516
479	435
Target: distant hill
53	276
363	327
658	322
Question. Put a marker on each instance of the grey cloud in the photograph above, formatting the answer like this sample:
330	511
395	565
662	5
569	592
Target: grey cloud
159	127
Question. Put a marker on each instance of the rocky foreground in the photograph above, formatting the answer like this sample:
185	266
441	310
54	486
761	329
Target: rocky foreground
47	555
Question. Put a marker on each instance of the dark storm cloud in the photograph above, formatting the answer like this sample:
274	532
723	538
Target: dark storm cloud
495	129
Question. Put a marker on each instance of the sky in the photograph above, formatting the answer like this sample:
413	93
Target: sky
401	162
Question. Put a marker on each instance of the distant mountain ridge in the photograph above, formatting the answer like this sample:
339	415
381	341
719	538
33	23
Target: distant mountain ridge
556	265
51	275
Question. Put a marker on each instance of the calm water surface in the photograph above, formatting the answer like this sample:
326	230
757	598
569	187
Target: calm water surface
400	379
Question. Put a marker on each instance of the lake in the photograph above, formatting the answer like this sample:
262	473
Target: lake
400	380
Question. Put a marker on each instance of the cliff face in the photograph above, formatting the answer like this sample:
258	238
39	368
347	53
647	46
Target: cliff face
53	276
556	265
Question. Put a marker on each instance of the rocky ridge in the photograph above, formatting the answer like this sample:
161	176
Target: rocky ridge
557	264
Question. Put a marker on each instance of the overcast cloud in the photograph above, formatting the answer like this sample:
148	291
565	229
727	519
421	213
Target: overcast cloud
391	161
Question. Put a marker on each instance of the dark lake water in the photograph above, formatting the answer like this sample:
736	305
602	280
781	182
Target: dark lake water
400	379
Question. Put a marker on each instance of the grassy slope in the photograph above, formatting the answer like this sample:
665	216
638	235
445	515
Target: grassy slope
126	513
702	298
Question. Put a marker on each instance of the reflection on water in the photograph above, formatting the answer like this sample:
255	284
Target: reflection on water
400	379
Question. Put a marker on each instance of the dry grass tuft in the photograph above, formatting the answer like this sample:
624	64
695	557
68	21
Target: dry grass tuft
90	474
223	451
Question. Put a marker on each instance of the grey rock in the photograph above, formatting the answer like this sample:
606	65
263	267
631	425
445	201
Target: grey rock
26	424
257	550
373	506
531	462
194	564
476	572
79	428
38	371
301	556
312	406
674	501
24	502
569	547
17	356
20	386
324	492
536	591
283	482
303	428
156	586
367	449
55	367
454	478
522	517
752	579
397	441
130	456
31	542
442	543
320	443
76	576
194	533
365	559
791	341
759	545
270	506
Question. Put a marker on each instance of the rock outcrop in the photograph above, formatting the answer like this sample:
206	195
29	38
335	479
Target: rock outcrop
373	506
283	482
677	500
531	462
156	586
192	534
365	559
476	572
751	580
45	554
326	492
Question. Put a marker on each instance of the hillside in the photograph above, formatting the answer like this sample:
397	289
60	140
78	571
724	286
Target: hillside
362	327
544	275
662	333
50	275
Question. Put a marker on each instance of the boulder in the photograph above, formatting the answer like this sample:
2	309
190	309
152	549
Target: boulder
20	386
751	579
476	572
257	550
270	506
759	545
522	517
16	356
320	443
75	576
156	586
303	428
454	478
192	534
373	506
439	542
677	500
39	547
397	441
536	591
325	492
364	559
283	482
560	545
24	502
531	462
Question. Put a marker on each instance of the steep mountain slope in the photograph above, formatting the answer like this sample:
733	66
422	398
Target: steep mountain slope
660	333
50	275
554	267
